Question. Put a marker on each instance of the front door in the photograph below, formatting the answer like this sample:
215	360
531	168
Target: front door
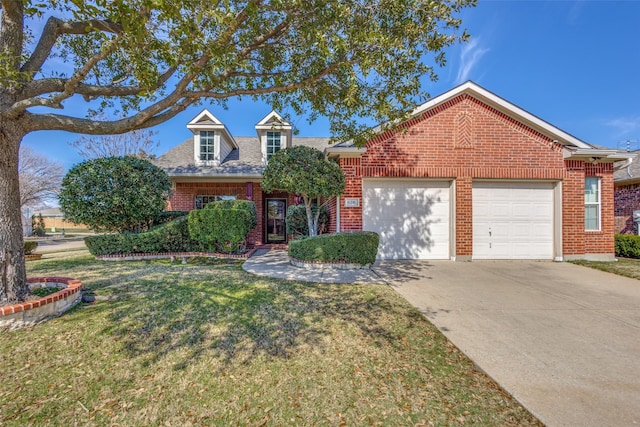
275	226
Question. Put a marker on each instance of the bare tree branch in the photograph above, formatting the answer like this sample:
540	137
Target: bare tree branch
40	178
138	142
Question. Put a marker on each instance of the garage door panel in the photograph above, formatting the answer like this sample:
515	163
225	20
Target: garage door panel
513	220
411	217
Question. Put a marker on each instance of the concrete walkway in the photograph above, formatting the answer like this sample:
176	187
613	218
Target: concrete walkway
562	339
275	263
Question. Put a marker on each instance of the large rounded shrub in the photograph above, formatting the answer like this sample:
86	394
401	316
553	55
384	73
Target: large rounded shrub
223	226
114	194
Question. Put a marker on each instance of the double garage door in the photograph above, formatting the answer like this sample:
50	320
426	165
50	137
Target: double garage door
511	220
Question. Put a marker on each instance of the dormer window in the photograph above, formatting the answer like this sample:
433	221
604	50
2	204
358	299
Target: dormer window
274	134
212	142
207	145
273	143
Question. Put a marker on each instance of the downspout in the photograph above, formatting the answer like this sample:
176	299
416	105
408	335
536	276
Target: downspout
337	214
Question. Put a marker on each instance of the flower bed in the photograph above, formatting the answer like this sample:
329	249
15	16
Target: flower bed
31	312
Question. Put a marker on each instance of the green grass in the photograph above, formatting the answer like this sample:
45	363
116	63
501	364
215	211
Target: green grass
623	266
208	344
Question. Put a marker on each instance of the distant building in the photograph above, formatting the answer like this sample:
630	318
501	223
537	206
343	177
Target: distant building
54	221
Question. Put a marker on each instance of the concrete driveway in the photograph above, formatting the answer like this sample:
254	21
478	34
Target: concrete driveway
562	339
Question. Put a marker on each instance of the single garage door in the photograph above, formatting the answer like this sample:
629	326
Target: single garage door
513	220
411	216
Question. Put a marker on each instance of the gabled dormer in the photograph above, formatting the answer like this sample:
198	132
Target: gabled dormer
274	134
212	141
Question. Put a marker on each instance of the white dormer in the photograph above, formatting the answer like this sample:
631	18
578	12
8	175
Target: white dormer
212	141
274	134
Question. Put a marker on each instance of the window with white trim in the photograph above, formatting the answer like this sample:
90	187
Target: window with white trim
200	202
273	143
207	150
592	204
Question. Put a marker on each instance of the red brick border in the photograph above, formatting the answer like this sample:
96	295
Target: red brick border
73	287
164	255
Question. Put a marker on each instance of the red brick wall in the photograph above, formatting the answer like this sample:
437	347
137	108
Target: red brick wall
351	218
602	242
182	198
465	139
627	200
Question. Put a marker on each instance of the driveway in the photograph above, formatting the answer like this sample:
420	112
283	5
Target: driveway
562	339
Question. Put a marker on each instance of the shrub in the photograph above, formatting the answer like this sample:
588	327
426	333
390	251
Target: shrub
170	237
30	246
627	245
37	225
360	247
223	226
114	194
168	216
297	223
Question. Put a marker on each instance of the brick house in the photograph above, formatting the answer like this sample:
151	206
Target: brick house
626	181
468	176
214	165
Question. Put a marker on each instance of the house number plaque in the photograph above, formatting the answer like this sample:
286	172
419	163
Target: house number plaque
351	202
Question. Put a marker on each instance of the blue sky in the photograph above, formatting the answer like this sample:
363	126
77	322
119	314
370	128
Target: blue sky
575	64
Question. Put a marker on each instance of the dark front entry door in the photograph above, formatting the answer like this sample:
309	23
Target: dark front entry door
276	229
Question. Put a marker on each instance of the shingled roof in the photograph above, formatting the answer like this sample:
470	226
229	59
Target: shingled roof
244	161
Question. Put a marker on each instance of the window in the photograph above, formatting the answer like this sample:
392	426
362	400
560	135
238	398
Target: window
592	204
206	145
273	143
201	201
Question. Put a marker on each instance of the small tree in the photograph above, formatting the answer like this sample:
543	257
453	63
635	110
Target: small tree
297	223
304	171
37	225
114	193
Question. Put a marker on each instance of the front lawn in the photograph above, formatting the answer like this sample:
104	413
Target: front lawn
622	267
208	344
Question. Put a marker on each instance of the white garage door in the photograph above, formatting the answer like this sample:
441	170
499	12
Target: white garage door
411	216
513	220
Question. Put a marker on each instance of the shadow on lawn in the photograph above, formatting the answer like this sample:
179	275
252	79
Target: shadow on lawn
239	316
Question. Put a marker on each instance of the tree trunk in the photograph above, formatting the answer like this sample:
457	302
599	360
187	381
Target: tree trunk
13	276
313	228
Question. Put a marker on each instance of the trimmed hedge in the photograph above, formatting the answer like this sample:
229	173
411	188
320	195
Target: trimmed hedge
30	246
168	216
170	237
360	247
297	223
223	226
627	245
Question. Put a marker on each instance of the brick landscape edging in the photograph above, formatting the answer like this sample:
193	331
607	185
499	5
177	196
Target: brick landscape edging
165	255
31	312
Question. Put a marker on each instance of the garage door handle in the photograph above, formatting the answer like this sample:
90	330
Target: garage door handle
489	233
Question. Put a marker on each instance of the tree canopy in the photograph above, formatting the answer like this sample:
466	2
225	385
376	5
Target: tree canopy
146	61
114	193
304	170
